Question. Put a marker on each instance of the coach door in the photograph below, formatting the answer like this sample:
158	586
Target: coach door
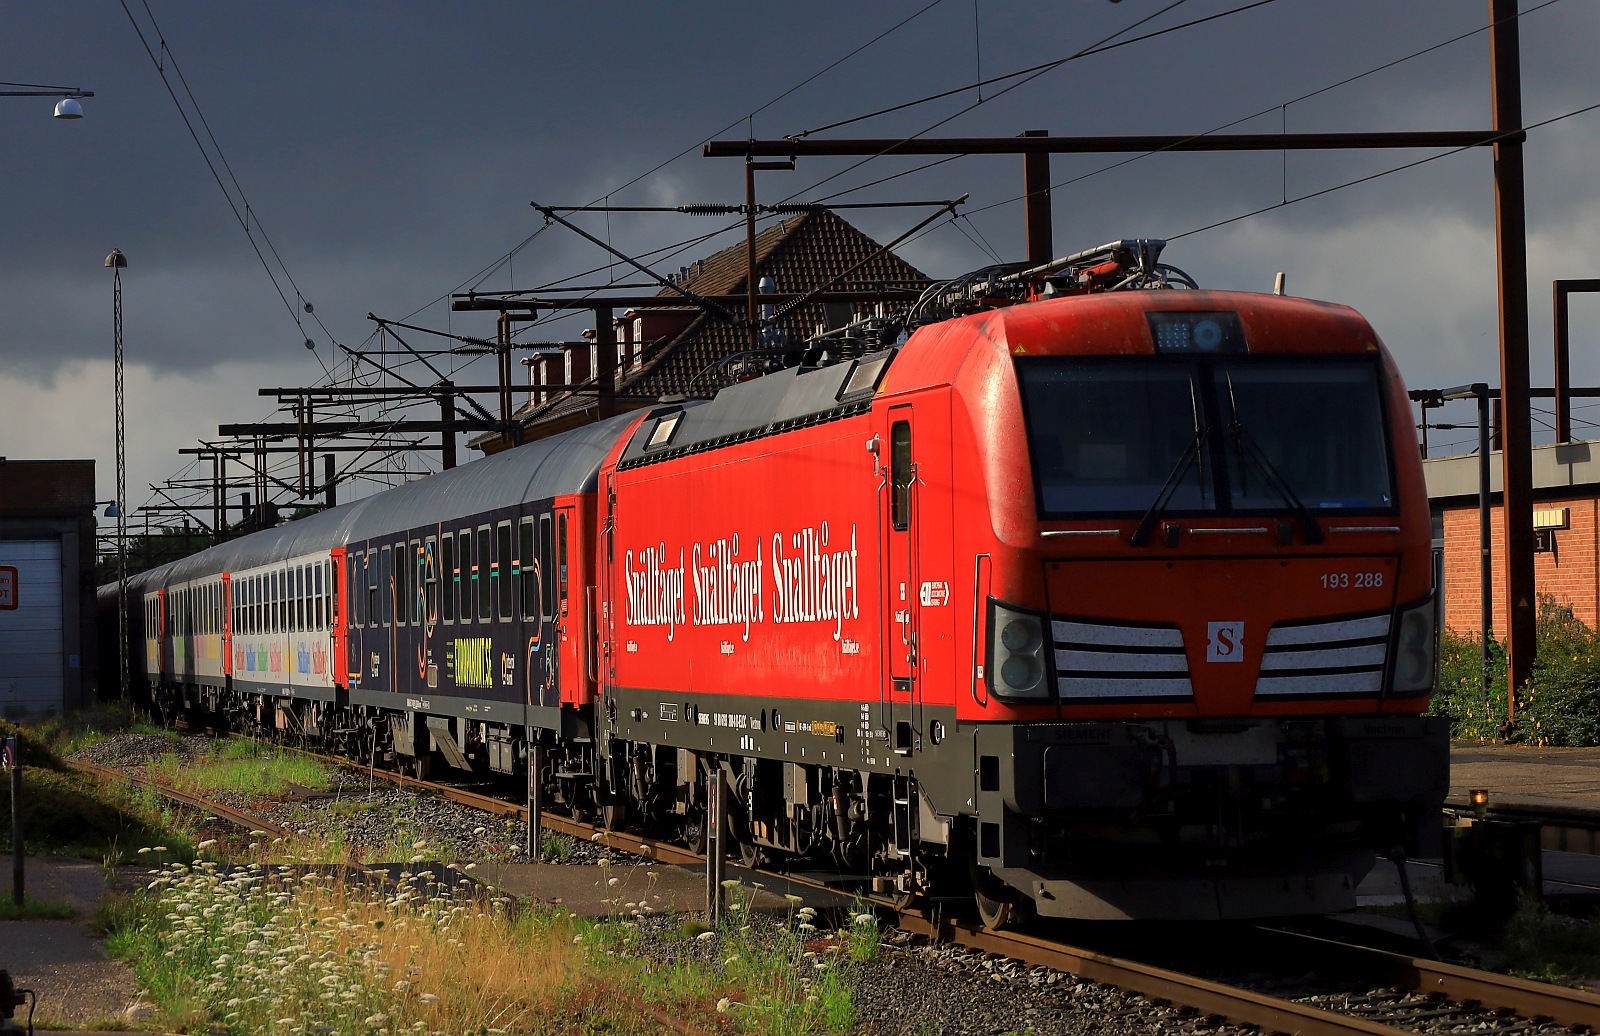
903	612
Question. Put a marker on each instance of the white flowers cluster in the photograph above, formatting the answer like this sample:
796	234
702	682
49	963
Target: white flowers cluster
273	952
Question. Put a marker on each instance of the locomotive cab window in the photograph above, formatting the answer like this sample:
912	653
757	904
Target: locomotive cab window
1226	435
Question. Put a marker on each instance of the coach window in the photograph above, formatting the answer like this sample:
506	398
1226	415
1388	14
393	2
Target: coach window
485	567
452	579
385	587
297	599
404	572
302	581
420	591
430	572
371	566
561	556
469	583
901	474
547	568
358	589
530	570
504	571
318	611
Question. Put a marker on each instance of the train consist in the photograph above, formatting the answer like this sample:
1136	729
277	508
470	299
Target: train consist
1076	590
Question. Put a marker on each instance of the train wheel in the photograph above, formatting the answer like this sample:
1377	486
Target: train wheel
614	815
694	832
997	904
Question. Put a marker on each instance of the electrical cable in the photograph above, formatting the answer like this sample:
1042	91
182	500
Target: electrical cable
245	217
1255	115
1382	173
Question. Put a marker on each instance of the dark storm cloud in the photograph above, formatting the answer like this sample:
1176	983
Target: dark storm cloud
391	150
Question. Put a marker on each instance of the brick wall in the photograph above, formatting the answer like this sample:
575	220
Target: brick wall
1570	573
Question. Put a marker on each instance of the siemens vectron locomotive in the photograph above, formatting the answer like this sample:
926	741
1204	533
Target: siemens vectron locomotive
1075	589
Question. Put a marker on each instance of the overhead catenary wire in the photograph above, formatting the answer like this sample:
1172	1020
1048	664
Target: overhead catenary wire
248	214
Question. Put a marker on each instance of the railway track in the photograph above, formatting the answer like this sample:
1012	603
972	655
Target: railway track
1406	994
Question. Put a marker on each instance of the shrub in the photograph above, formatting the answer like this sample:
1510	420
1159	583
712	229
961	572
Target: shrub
1559	705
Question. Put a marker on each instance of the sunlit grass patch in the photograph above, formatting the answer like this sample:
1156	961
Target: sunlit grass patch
243	767
291	950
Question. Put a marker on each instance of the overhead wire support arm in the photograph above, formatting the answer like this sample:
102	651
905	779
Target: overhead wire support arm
1053	145
946	208
719	311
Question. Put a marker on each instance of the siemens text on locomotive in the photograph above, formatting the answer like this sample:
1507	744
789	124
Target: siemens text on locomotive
1075	589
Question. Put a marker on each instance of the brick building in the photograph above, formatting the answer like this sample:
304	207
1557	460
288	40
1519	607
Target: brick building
676	350
47	591
1566	492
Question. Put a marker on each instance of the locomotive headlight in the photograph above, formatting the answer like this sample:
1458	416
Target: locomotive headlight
1017	666
1413	650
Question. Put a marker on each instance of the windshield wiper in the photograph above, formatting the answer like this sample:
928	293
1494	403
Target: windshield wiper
1244	443
1147	524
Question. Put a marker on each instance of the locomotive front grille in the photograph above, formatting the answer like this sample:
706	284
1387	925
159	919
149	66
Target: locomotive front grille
1322	659
1106	661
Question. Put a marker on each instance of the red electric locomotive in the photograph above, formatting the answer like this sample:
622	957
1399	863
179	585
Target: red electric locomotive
1072	590
1118	603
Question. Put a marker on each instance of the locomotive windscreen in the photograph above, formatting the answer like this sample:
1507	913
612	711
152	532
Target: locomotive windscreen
1115	435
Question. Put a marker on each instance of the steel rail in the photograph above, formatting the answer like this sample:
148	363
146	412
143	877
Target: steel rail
1561	1004
233	816
1528	999
1238	1005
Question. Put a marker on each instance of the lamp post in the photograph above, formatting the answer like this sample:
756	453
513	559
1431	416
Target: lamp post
67	108
116	262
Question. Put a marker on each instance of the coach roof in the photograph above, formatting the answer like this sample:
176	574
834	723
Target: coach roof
558	465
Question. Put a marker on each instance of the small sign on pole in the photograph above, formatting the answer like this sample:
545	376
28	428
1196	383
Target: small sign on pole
8	588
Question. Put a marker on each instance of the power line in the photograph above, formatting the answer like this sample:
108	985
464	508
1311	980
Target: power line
248	214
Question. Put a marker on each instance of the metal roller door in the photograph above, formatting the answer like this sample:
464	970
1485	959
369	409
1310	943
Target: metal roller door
31	673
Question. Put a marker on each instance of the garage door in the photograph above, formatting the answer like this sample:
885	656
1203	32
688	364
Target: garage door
31	674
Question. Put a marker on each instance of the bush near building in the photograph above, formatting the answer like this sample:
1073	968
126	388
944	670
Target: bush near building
1559	705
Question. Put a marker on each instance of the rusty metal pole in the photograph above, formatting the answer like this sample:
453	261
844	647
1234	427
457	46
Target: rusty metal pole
1516	432
605	344
1560	291
1036	185
751	314
447	435
1563	335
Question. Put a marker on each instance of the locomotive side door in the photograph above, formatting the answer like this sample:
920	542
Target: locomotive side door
903	611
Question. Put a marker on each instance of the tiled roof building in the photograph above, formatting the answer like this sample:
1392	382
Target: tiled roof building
676	349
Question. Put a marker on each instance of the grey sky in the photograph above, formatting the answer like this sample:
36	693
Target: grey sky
391	150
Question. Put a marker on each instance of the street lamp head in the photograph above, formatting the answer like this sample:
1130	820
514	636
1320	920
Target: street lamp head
69	108
116	260
112	510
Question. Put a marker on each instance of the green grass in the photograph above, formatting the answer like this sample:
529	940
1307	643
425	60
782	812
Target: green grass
556	847
1540	944
35	910
242	767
